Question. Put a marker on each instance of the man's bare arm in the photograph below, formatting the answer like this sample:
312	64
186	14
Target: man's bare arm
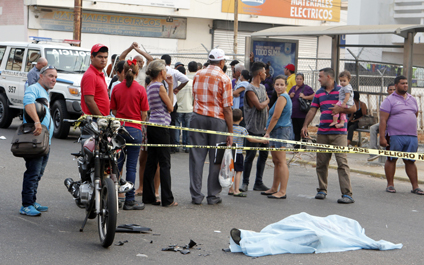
91	105
125	53
148	57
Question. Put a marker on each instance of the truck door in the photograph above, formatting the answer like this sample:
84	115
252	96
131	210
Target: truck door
13	77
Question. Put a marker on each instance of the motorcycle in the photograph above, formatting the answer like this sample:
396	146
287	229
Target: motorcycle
97	189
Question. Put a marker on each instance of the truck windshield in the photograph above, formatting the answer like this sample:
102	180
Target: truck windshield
68	60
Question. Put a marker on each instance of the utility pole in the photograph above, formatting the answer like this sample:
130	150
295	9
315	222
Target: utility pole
235	27
77	20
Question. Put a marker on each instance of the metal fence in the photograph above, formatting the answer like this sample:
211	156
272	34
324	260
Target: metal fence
372	77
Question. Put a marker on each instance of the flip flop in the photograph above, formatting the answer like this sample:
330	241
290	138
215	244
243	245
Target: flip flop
172	204
418	191
230	193
274	197
391	189
241	194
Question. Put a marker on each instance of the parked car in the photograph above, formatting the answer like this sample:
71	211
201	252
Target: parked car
18	58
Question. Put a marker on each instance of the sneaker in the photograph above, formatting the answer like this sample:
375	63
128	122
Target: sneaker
125	186
243	187
30	211
261	187
40	208
320	195
133	205
345	199
373	157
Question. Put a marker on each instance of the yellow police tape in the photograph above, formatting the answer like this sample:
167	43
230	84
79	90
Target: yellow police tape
335	148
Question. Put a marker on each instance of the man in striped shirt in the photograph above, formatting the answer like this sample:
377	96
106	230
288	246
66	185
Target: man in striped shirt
325	98
213	98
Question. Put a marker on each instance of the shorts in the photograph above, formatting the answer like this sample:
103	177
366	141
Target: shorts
282	133
238	165
403	143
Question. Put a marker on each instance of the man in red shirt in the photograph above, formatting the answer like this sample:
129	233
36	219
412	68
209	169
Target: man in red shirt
94	97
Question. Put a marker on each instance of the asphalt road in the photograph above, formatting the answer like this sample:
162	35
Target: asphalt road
54	238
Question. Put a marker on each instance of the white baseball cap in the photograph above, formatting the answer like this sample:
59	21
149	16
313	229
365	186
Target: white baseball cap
216	55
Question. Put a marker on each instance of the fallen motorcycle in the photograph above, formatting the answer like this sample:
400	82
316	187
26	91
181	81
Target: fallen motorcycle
97	189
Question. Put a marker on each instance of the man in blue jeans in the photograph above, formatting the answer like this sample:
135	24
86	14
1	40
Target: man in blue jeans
35	166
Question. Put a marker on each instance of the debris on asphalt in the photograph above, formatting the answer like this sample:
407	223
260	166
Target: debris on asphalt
2	138
141	255
226	250
155	234
121	243
217	231
183	250
151	242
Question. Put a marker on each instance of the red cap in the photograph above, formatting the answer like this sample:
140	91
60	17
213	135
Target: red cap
290	67
97	47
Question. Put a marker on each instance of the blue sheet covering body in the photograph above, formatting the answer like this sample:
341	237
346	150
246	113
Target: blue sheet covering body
304	233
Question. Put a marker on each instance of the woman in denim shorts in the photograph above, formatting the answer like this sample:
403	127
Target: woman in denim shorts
279	127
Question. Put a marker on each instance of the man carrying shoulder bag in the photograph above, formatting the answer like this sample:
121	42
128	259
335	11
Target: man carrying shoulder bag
35	165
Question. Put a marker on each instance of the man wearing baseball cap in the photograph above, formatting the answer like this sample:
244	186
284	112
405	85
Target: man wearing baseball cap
291	79
94	97
213	98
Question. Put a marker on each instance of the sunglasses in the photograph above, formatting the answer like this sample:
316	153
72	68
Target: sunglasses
45	68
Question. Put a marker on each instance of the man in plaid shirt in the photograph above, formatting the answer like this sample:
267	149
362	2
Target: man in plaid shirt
213	98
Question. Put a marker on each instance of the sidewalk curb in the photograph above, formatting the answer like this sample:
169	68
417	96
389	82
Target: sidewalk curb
364	172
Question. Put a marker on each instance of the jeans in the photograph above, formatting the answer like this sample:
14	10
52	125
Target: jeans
35	170
352	126
184	120
132	158
260	164
374	141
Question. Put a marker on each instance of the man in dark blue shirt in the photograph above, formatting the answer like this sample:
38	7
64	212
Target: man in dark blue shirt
34	73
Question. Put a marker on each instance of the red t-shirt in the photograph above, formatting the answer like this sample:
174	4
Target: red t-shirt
93	83
129	102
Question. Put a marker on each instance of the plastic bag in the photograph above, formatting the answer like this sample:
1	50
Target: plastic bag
226	174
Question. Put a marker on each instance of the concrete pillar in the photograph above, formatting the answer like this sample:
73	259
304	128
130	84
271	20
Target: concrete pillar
407	58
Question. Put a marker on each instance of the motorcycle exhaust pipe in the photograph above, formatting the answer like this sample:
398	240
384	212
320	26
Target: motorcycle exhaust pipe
72	186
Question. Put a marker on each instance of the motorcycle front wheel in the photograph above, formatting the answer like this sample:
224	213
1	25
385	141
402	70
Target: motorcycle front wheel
108	213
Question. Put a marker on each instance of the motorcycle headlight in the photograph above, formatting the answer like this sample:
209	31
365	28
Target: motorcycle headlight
102	123
115	125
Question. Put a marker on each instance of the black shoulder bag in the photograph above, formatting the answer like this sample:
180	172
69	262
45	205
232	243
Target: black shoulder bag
304	104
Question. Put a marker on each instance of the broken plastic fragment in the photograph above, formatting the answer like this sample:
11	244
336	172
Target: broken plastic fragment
2	138
141	255
226	250
191	244
217	231
185	251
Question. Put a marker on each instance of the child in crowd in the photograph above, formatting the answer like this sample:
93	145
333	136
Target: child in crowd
238	164
345	98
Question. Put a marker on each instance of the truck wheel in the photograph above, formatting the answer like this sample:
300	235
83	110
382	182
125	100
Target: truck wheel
6	114
59	113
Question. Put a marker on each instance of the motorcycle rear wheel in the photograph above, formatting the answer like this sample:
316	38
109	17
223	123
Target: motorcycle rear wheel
108	213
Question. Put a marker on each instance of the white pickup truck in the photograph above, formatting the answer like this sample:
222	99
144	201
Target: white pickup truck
18	58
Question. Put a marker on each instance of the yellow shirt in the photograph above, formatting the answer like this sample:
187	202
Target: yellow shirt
291	81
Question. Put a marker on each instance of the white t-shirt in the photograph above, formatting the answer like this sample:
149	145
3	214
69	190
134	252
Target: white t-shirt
177	76
141	77
185	96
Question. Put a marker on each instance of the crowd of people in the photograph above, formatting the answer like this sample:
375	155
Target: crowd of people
250	102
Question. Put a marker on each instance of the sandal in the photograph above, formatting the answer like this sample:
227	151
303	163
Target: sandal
418	191
391	189
241	194
140	193
172	204
230	193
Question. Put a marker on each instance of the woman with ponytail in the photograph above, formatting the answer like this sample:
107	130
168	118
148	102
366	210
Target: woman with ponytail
129	101
161	105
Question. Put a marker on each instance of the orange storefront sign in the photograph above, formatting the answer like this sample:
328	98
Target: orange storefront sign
328	10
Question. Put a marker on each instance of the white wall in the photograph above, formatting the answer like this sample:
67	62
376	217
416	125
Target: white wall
13	33
197	33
